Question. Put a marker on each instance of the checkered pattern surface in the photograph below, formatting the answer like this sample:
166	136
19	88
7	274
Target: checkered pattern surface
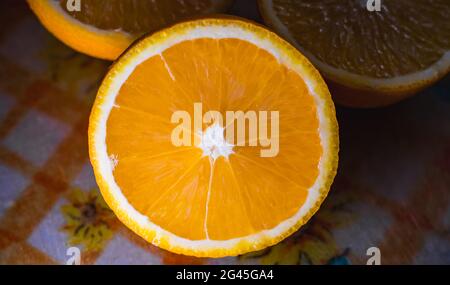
392	190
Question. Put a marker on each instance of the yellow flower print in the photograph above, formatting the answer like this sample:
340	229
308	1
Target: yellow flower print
88	220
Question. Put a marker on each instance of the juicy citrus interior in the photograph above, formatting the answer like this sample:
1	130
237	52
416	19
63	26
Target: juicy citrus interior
403	47
139	17
105	28
406	36
171	187
229	204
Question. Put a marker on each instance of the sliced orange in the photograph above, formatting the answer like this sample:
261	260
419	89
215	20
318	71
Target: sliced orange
214	197
105	28
372	58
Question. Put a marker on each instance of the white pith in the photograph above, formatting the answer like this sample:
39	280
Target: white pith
149	48
339	75
213	143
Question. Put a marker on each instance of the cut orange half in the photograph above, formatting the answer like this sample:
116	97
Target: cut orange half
105	28
370	58
209	194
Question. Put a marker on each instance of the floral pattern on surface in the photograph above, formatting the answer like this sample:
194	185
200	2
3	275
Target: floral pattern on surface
88	220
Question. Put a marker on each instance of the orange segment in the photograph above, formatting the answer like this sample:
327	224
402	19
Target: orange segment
267	197
213	203
228	213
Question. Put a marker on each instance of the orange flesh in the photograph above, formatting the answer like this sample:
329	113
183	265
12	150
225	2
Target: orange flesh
170	185
139	17
405	37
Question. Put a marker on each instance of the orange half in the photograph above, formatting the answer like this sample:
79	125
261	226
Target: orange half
106	28
370	58
207	198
